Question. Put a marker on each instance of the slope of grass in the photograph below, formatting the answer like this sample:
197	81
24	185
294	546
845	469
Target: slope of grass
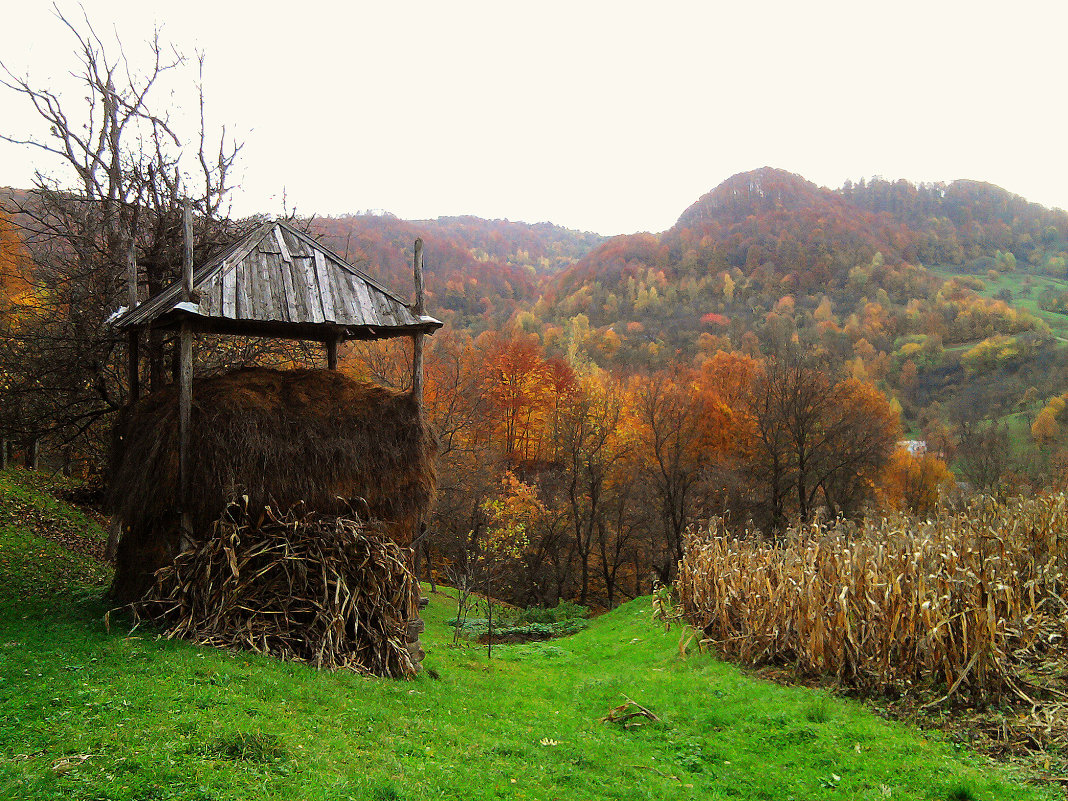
1023	297
90	714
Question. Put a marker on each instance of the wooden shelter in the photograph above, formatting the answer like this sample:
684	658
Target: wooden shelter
279	282
276	282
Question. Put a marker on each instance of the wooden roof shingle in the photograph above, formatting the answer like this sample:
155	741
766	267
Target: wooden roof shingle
278	281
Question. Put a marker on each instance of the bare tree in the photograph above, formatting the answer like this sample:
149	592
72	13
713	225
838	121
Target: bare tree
815	436
588	446
131	173
985	456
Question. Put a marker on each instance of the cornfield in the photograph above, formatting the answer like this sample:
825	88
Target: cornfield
971	606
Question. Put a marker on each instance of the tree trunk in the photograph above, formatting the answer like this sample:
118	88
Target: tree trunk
114	535
429	567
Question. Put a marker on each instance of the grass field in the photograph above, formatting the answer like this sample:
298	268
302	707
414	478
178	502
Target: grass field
91	714
1022	297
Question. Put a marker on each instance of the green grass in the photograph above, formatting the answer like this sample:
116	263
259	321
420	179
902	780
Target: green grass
89	714
1022	298
1018	427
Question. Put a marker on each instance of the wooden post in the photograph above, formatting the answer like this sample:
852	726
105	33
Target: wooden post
131	272
133	338
185	407
331	353
417	380
176	359
185	387
417	339
187	252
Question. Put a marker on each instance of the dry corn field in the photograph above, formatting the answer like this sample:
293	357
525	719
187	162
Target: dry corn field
970	607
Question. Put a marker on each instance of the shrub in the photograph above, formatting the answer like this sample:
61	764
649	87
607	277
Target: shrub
476	627
563	611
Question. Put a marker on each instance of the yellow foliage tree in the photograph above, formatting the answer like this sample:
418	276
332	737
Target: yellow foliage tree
915	482
510	517
728	287
823	312
1045	429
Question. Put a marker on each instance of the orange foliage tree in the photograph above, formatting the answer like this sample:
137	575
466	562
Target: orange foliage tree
519	386
915	482
18	306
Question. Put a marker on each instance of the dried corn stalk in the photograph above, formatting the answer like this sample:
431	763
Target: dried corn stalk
972	605
329	591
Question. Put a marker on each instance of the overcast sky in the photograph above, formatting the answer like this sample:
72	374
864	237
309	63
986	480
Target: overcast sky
603	116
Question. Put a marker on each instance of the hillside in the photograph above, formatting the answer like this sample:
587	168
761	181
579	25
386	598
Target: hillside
90	712
479	272
773	227
951	298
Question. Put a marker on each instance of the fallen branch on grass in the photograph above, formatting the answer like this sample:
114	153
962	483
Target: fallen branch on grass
625	713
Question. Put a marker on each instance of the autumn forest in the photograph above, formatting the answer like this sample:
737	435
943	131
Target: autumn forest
783	352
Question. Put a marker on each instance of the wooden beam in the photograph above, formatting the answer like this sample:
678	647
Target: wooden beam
417	339
185	407
310	332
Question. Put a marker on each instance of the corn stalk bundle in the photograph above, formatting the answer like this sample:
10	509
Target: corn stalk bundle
972	605
329	591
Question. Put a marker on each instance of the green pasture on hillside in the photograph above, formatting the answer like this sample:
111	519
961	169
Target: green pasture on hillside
1023	298
91	714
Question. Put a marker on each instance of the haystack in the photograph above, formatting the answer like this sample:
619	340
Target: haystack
278	438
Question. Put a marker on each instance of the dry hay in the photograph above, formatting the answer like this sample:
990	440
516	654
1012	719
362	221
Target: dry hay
966	611
276	437
329	591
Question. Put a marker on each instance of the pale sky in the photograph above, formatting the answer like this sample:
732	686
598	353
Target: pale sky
603	116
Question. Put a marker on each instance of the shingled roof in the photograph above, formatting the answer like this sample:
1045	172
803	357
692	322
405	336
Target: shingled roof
278	281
